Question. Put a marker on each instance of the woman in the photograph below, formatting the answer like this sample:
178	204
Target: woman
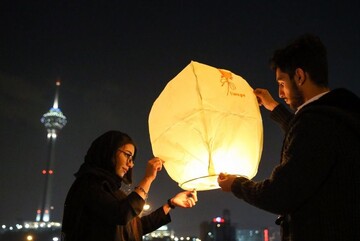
96	208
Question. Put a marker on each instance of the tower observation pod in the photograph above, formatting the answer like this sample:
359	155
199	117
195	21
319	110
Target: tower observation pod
54	120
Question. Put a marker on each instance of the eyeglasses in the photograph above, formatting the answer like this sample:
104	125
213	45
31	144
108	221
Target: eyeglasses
129	157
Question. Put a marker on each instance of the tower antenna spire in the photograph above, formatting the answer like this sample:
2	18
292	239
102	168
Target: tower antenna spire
56	100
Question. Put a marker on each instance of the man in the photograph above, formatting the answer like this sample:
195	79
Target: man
316	186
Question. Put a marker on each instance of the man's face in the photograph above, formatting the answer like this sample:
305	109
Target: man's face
288	90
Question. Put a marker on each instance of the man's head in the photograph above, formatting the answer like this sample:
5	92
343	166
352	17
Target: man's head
301	69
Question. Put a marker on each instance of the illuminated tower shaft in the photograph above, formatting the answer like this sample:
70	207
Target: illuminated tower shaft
54	121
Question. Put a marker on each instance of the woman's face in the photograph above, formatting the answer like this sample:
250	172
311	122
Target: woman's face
124	159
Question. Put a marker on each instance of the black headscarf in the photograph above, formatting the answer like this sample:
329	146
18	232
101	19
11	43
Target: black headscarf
101	154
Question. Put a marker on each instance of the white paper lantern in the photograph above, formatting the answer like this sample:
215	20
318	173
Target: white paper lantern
206	121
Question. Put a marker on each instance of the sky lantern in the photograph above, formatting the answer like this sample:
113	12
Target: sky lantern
206	121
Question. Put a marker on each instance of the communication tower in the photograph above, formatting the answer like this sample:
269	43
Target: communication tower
54	120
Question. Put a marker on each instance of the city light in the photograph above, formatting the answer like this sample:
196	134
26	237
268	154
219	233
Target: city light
218	220
266	235
146	207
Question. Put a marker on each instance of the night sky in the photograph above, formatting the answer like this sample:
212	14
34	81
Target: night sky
115	57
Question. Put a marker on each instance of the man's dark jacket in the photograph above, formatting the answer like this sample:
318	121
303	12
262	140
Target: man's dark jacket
316	186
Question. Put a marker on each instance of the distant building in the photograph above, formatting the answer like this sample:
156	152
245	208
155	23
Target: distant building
164	234
252	235
221	229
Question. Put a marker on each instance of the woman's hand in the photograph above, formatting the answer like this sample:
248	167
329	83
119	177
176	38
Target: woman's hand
185	199
154	165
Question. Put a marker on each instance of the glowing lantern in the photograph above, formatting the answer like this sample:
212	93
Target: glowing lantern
206	121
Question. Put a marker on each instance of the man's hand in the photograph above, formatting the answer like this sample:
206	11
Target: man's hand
225	181
264	98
